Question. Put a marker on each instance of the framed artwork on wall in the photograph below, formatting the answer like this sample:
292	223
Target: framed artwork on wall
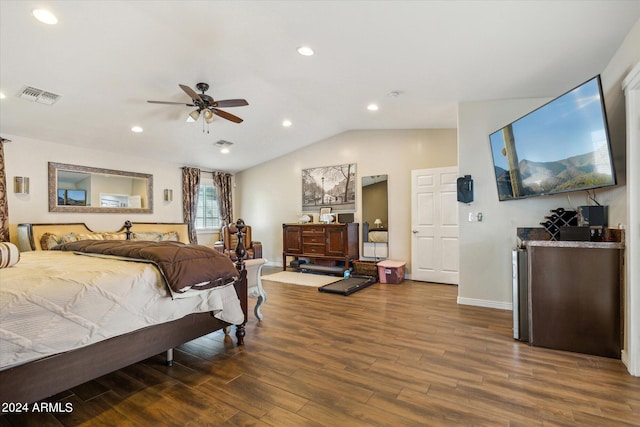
330	187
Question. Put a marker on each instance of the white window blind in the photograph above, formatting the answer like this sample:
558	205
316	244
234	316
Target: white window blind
208	215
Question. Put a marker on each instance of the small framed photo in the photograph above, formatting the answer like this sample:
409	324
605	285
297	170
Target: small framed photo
325	215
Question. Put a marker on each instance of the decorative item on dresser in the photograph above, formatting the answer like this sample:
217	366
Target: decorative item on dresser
322	243
41	376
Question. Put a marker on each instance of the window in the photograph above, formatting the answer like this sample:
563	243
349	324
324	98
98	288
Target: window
208	215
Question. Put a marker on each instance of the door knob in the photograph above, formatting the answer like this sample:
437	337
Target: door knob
415	231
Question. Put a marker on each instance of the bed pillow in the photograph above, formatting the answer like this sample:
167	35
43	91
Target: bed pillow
91	236
66	238
9	254
115	236
152	236
170	236
49	241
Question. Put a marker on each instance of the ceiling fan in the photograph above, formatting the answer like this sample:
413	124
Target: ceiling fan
207	105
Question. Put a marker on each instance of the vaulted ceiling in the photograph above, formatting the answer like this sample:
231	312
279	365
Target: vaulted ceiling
415	59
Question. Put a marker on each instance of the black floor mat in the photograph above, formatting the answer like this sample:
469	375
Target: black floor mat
348	286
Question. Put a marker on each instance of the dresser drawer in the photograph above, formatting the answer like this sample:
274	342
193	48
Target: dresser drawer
313	239
313	249
313	230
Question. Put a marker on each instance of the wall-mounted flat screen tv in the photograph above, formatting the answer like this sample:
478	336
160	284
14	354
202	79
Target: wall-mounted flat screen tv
562	146
75	198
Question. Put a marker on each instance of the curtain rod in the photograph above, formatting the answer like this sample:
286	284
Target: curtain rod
202	170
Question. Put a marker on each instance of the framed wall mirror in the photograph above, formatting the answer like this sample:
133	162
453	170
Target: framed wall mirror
74	188
375	217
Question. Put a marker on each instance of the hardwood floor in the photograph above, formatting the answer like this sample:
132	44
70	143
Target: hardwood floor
389	355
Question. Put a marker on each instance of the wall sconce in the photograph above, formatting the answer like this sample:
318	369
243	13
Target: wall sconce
21	184
168	195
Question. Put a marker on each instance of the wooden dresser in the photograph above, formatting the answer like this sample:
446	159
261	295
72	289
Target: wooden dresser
321	242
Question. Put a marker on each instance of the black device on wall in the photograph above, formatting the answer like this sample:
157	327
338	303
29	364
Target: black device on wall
465	189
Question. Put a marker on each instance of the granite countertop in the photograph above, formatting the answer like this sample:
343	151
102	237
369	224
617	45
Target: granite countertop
573	244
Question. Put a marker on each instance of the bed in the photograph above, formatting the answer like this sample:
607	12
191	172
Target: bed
36	377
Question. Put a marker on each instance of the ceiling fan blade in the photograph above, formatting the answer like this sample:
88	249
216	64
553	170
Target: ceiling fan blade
192	93
226	115
226	103
168	102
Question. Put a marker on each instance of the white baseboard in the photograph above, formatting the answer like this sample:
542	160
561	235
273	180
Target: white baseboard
485	303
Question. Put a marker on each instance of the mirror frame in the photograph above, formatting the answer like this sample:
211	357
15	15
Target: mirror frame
53	190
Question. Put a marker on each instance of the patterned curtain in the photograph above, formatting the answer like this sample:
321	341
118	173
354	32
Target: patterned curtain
190	187
222	182
4	205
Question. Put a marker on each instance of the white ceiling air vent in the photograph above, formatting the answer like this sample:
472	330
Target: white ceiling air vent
223	143
224	146
33	94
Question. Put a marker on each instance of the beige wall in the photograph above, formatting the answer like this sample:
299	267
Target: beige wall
29	157
269	194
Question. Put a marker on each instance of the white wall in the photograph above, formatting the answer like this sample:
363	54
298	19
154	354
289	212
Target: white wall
269	194
29	157
485	258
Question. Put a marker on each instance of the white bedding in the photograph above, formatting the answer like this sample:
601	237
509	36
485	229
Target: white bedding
51	302
378	236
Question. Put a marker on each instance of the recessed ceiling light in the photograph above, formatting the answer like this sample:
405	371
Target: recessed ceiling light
45	16
136	129
286	123
372	107
305	51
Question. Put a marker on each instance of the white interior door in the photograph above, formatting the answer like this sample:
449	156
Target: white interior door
434	225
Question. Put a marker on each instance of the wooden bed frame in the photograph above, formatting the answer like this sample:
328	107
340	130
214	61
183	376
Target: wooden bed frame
45	377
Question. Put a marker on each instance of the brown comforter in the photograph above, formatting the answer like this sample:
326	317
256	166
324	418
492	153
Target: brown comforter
183	267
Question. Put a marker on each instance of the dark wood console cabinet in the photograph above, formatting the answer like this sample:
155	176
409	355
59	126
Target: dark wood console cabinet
575	296
339	242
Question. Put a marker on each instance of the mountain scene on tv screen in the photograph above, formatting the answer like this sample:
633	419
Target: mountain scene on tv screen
574	173
74	202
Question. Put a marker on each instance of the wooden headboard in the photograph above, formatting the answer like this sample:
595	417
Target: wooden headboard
29	235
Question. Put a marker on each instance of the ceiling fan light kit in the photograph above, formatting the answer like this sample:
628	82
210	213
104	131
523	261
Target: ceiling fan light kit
208	115
194	115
